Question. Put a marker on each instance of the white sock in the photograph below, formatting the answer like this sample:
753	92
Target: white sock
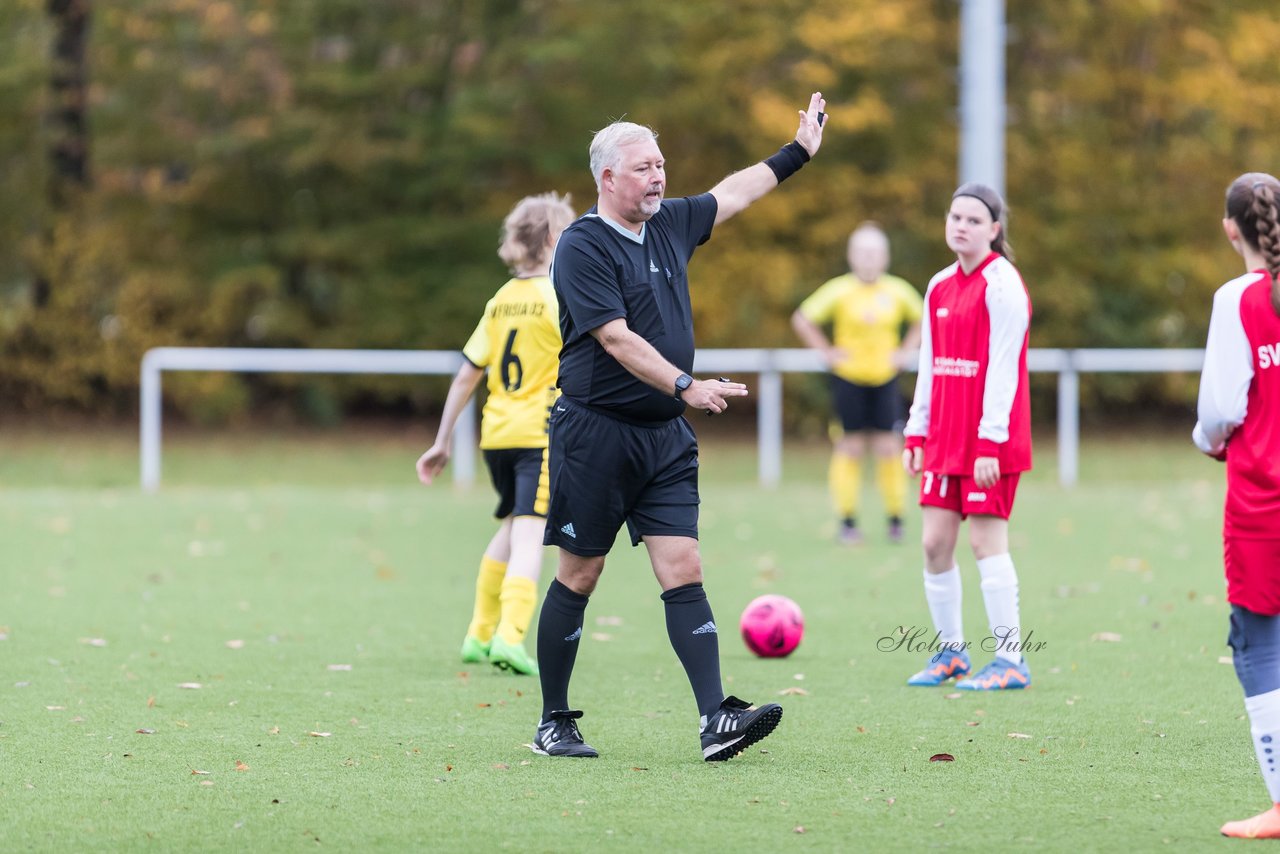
1264	725
942	592
1000	592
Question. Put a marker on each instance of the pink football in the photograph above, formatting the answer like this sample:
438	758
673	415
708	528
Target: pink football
772	626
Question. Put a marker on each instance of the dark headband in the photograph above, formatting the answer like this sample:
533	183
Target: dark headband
985	204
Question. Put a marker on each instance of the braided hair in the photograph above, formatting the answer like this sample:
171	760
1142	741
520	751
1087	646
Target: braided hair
1253	203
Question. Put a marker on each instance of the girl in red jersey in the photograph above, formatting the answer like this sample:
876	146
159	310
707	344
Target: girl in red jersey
969	438
1239	422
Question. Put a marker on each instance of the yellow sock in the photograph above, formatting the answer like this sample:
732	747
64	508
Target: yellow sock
893	485
519	595
845	479
484	619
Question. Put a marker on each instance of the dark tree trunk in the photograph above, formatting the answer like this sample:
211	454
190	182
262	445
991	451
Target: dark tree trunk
68	114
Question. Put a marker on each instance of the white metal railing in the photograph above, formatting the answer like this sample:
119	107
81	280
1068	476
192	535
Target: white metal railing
769	364
264	360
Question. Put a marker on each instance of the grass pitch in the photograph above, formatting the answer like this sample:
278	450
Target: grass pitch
263	657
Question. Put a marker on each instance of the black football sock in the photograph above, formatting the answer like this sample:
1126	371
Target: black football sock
559	631
692	630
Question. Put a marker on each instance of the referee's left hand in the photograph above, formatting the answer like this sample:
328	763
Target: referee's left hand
810	133
712	395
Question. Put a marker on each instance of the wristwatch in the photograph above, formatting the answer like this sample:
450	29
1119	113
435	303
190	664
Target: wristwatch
682	382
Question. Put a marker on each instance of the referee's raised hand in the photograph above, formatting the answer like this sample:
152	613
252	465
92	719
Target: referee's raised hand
712	395
812	122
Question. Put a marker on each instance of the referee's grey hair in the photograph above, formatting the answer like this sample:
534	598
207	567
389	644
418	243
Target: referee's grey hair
606	142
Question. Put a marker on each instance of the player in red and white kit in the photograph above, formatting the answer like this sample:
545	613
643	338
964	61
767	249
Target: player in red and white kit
1239	422
969	438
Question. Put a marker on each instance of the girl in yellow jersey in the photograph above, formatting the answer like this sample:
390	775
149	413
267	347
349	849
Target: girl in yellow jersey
518	342
868	312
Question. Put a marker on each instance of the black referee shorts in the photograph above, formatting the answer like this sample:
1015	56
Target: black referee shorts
867	407
605	472
520	477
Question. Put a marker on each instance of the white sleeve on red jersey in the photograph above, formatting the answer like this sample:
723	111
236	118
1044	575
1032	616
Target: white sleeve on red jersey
1009	311
1227	372
918	418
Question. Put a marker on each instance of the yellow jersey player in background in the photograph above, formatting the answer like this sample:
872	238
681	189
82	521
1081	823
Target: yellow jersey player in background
875	322
518	342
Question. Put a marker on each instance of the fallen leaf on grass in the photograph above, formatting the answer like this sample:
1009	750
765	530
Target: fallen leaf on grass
1018	735
638	768
603	637
145	731
235	644
151	702
339	667
194	772
314	734
501	766
93	641
206	782
240	766
798	829
190	686
483	705
942	757
860	729
793	692
973	723
608	621
1106	637
275	730
953	696
890	801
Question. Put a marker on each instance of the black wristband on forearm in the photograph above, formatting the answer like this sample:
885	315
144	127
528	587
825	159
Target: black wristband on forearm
787	161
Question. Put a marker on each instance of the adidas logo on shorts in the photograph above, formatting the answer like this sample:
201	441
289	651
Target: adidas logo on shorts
568	529
707	628
976	496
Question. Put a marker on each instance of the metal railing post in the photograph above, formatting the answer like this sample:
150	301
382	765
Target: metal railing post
1069	422
769	426
150	418
464	446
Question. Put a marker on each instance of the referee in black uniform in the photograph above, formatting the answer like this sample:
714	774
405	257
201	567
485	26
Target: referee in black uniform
619	449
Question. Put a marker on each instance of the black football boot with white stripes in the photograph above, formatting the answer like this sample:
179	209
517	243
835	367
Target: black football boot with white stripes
558	735
735	726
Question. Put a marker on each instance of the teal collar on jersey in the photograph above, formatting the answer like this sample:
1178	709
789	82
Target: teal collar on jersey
625	232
